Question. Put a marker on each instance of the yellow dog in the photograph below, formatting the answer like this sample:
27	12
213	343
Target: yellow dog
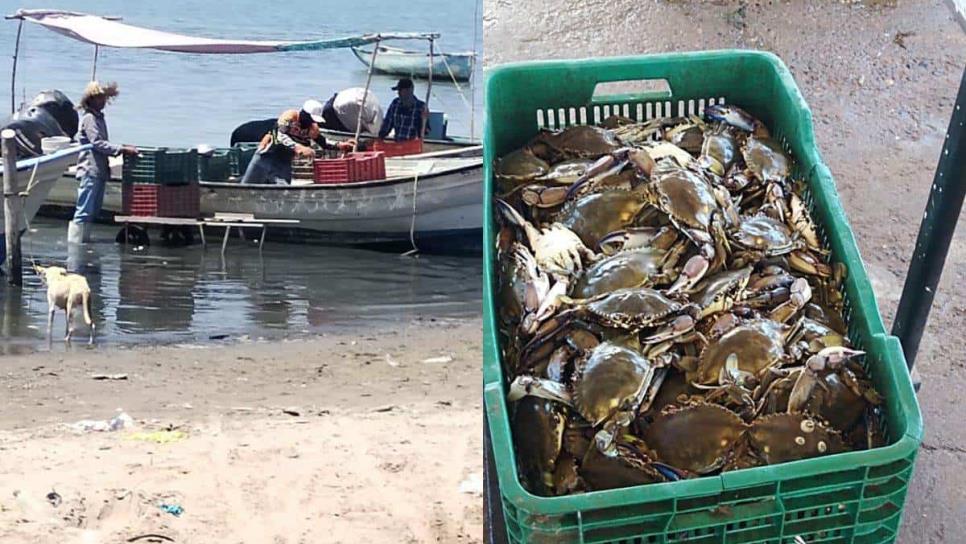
66	291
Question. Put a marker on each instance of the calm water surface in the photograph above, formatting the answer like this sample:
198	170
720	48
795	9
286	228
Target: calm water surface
172	295
179	99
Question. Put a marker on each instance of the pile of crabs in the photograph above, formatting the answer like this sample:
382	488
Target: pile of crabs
667	307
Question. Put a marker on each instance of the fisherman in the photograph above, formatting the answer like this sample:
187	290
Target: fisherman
93	170
291	136
353	108
407	116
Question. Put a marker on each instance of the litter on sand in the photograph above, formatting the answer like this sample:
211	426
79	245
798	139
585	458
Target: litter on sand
173	509
108	376
441	360
116	423
472	485
159	437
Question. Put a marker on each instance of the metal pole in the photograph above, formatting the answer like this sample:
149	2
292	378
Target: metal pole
11	207
13	72
935	234
429	89
94	67
362	107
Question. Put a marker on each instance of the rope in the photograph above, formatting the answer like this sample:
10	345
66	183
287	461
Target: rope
459	89
412	224
477	24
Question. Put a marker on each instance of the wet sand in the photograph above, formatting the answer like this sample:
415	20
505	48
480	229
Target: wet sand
340	438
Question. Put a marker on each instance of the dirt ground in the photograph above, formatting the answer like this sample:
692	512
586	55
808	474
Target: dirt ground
347	438
881	80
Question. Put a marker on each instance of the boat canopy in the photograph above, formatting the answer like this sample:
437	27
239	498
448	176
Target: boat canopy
109	32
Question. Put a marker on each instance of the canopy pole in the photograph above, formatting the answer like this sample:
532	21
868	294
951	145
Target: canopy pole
13	72
429	88
362	107
476	25
12	207
94	67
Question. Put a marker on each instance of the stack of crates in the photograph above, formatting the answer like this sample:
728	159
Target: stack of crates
161	182
353	167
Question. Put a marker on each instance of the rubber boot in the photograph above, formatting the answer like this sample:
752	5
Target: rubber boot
75	233
86	232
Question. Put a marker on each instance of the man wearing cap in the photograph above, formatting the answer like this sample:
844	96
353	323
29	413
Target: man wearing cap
93	170
292	135
407	115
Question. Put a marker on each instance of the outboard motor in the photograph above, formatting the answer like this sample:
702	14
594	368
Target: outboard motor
61	108
32	125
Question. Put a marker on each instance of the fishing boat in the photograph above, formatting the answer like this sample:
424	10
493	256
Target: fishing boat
429	197
37	177
433	198
403	62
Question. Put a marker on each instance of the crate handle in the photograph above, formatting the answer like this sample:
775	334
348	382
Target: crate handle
631	90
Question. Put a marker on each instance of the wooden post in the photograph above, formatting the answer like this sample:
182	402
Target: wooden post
11	207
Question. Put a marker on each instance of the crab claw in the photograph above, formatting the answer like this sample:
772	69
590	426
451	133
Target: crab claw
799	295
679	326
807	263
691	274
836	355
601	165
731	115
523	386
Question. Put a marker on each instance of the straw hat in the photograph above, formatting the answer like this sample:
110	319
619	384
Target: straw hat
96	88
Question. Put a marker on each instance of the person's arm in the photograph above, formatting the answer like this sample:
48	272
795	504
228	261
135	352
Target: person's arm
387	120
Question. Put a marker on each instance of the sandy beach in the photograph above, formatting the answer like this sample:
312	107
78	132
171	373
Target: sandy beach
338	438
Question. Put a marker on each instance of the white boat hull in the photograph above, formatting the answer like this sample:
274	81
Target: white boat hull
391	60
449	203
41	174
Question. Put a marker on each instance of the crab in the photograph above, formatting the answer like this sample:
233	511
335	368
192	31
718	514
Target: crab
518	167
758	344
719	150
761	236
593	216
765	160
735	117
609	387
557	250
637	238
718	293
645	267
829	388
698	438
689	136
629	466
576	142
779	438
538	427
523	287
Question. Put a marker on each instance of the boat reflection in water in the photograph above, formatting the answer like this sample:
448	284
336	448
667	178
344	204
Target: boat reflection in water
169	295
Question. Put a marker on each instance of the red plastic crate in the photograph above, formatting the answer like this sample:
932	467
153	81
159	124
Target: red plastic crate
342	170
393	148
153	200
371	165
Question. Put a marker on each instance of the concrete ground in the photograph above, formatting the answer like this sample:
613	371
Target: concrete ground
881	79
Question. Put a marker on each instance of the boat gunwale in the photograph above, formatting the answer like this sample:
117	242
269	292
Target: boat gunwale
337	186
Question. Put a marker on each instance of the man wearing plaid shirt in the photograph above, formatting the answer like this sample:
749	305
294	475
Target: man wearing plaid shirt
406	115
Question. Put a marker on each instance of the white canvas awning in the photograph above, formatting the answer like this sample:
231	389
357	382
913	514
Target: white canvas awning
112	33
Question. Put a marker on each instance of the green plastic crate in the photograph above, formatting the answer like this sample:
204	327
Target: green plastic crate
161	165
217	165
848	498
239	162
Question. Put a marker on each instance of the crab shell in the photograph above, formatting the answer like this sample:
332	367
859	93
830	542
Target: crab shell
684	196
580	141
567	172
763	233
765	159
698	438
538	427
635	268
758	345
520	165
779	438
634	308
612	378
721	146
596	215
719	292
